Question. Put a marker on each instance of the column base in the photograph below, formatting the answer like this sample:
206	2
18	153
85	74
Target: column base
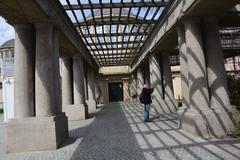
165	106
92	106
192	121
205	123
180	113
75	111
36	133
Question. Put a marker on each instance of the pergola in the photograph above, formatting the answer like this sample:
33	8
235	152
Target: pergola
115	30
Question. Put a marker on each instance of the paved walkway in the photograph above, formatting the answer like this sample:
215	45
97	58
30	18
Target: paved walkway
117	132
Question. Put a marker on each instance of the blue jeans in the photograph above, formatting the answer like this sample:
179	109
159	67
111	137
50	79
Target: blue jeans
146	112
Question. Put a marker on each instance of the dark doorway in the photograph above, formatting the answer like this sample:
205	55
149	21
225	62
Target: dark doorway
115	91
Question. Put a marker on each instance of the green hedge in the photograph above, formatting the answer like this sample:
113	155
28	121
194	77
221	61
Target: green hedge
1	110
234	90
238	128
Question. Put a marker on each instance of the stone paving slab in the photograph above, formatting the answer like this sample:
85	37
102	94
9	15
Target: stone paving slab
117	132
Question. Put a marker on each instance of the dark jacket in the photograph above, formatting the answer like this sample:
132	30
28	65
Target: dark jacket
146	95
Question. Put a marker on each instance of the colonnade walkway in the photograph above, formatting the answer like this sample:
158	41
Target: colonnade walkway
117	132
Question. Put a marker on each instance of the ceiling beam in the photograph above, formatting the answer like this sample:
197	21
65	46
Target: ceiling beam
112	49
115	34
116	43
115	22
115	5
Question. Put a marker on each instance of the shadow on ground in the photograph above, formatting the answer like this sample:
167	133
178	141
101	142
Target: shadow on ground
117	132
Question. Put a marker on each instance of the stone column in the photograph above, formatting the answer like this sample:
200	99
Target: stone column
183	66
217	75
183	72
157	83
78	80
50	128
46	97
24	71
199	119
168	94
147	74
97	88
67	91
194	120
91	102
140	81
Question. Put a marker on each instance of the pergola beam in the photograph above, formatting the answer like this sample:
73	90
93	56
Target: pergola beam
115	22
116	43
115	5
115	34
112	49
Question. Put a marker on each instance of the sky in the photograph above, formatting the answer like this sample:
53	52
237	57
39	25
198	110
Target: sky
6	31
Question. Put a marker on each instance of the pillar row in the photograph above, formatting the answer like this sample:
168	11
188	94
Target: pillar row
24	71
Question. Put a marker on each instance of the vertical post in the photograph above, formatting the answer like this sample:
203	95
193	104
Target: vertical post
92	105
183	66
140	81
67	91
217	75
45	73
24	71
169	99
78	80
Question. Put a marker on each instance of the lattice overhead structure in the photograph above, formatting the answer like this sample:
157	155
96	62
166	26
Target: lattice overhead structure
115	30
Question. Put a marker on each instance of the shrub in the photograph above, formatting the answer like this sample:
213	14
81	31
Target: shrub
234	90
238	128
1	110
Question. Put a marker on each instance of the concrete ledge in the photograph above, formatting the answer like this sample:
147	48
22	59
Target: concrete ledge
36	133
75	112
92	106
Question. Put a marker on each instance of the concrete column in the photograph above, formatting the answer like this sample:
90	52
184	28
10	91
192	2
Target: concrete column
57	77
197	76
85	84
217	75
157	83
194	120
140	81
183	66
67	91
24	71
49	128
77	110
184	73
45	73
91	102
147	74
168	94
78	80
199	119
97	88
